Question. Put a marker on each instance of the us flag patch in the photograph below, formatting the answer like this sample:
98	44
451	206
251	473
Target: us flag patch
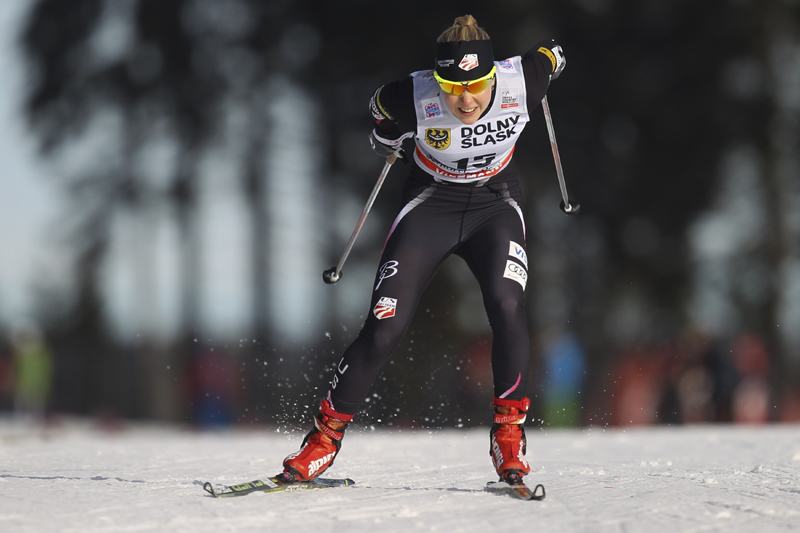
385	308
468	62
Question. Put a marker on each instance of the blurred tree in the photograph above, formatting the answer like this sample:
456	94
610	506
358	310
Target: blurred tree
58	108
168	69
644	118
746	244
775	126
147	78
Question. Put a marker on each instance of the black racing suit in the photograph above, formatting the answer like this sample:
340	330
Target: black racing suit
476	223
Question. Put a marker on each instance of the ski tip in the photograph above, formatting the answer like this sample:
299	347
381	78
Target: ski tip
332	482
518	490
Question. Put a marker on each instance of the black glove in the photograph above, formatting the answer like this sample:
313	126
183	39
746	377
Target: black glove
386	147
555	54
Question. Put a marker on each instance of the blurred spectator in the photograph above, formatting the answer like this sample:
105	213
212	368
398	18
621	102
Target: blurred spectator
752	397
699	381
6	376
213	388
790	406
692	380
33	373
635	389
565	366
724	379
474	378
695	384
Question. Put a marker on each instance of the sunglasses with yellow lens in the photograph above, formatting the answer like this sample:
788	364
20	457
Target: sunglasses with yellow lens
457	88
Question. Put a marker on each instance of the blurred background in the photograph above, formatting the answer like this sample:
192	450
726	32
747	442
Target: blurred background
177	174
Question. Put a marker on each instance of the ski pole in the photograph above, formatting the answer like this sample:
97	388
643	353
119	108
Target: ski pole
334	274
566	206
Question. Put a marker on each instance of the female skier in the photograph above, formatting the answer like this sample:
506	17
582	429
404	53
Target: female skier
461	197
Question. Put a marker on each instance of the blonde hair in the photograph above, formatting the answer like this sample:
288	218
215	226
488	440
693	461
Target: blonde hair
463	29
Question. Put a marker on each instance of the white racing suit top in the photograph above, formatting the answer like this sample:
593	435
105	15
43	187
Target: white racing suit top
451	151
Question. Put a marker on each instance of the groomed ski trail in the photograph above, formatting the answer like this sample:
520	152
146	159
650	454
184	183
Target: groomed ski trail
149	478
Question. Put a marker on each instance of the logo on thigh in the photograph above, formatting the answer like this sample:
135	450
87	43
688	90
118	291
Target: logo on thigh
385	308
516	272
515	250
387	270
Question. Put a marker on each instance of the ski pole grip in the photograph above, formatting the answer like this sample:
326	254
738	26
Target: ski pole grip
391	159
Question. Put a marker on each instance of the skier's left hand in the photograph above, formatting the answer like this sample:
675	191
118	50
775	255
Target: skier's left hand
555	54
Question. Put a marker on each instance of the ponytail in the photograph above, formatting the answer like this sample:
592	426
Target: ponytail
463	29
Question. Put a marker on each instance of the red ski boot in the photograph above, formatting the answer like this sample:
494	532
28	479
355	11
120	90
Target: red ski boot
320	446
508	443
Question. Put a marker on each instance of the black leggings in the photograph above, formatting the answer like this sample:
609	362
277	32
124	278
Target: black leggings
482	225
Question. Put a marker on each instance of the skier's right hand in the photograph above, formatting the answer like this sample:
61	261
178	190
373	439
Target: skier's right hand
386	147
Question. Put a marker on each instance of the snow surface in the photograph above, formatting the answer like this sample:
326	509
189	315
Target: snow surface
76	478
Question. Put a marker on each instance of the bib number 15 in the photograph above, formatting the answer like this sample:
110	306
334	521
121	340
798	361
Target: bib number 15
479	161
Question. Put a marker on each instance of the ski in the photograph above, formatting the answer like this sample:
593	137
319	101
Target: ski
273	484
519	490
